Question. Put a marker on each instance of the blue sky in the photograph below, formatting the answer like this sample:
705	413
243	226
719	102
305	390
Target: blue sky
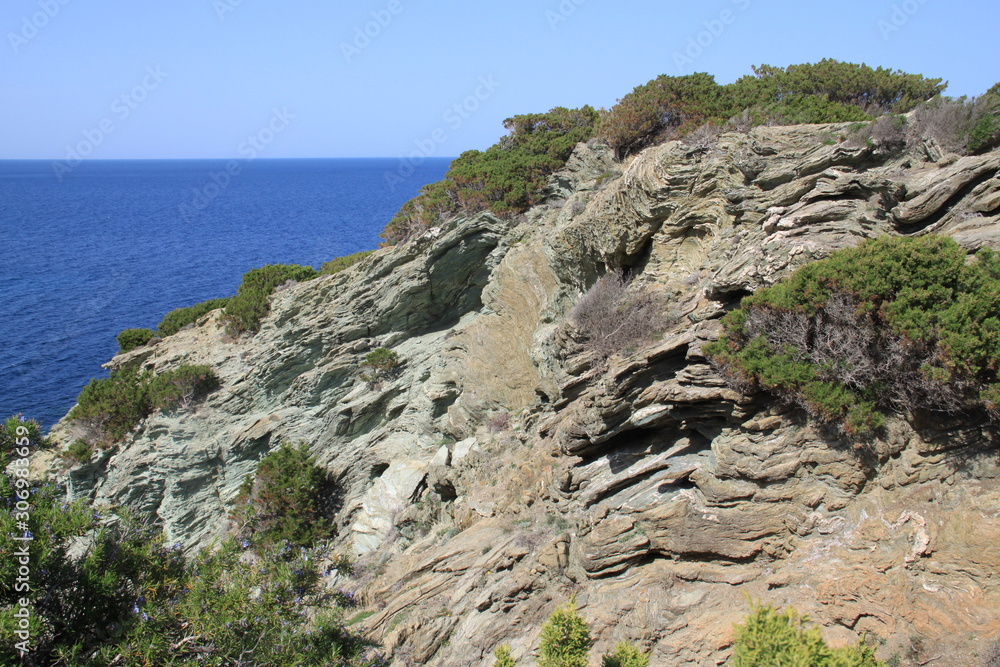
198	78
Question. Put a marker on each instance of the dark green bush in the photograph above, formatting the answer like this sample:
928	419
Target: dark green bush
179	318
340	263
380	364
825	92
18	436
130	339
785	639
245	311
181	387
130	601
115	405
506	179
79	451
894	324
76	604
289	499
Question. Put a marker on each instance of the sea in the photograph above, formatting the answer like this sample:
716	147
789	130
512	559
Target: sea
109	245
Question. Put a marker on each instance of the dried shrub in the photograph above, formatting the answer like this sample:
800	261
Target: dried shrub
615	319
959	126
704	138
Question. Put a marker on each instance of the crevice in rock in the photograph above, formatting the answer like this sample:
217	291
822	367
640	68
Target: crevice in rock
935	218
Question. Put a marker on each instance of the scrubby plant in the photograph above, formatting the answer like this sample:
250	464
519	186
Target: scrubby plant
380	364
77	604
126	599
785	639
894	324
79	451
503	657
129	339
959	125
181	387
826	92
20	434
288	499
506	179
615	319
565	638
245	311
179	318
340	263
625	655
115	405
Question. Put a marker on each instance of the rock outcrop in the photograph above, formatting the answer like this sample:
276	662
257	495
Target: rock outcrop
502	470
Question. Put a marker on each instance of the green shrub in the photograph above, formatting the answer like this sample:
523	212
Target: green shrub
503	657
79	451
784	639
340	263
289	498
179	318
19	438
565	639
130	339
128	600
894	324
625	655
825	92
115	405
245	311
227	607
380	364
76	604
507	178
181	387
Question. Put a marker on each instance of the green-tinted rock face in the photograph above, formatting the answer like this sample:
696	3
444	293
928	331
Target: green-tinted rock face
497	468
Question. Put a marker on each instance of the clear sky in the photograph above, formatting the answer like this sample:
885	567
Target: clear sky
197	78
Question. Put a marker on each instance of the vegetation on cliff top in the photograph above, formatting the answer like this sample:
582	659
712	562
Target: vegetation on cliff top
506	178
895	324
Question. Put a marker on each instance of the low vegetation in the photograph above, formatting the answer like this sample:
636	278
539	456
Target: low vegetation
340	263
289	499
785	639
245	311
111	407
895	324
129	339
506	179
179	318
130	600
671	107
380	364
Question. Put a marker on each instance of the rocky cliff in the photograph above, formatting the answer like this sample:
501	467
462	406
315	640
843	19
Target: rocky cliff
502	471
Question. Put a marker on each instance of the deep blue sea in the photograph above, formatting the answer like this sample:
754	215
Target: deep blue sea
118	244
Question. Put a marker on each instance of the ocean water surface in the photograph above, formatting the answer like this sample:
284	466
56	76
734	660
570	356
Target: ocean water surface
117	244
